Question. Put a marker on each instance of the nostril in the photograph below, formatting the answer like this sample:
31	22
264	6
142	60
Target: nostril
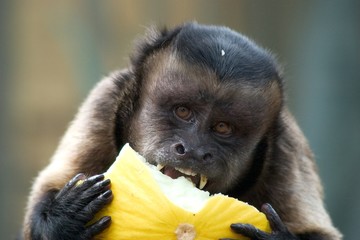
180	149
207	157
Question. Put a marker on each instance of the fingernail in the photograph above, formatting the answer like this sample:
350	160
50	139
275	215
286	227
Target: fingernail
105	182
96	177
107	194
106	220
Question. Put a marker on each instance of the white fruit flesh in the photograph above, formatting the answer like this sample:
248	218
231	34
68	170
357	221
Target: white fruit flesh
181	191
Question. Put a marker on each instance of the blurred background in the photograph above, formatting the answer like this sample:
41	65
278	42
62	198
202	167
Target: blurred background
53	52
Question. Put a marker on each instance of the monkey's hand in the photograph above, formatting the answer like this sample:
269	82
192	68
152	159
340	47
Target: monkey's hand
279	230
67	214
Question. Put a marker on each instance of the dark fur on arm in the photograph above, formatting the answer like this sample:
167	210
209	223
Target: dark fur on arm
289	182
89	146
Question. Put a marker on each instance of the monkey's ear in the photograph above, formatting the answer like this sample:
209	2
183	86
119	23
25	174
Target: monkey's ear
97	133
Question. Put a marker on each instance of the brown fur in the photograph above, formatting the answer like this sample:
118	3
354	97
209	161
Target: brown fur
119	108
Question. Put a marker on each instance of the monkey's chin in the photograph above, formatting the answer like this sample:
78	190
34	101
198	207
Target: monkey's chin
198	180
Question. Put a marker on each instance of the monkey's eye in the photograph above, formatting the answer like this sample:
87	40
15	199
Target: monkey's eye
183	113
222	128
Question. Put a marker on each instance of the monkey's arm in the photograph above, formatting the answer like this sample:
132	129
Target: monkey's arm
290	183
89	146
279	230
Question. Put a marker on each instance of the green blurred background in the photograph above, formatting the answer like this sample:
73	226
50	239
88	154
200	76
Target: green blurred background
53	52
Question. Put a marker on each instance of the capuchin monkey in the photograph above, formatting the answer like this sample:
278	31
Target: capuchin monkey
196	100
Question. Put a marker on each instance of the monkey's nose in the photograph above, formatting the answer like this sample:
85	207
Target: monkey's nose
179	149
198	153
207	157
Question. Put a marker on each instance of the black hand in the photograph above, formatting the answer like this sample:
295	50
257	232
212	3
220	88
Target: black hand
66	215
279	230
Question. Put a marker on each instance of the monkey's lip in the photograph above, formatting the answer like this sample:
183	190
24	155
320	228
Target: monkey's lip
199	180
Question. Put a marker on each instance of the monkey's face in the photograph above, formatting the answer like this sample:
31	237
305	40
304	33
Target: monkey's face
192	124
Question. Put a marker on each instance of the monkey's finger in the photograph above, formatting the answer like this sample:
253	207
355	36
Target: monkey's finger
249	231
93	191
275	222
71	184
89	211
97	227
90	182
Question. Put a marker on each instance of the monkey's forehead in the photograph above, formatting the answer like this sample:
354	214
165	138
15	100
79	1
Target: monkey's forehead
228	53
167	70
169	77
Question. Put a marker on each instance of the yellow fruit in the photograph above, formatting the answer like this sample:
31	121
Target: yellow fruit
141	210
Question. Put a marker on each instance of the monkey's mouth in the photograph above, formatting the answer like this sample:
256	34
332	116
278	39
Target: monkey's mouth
199	180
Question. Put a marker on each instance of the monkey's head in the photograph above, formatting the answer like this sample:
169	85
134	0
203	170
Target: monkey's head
209	98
